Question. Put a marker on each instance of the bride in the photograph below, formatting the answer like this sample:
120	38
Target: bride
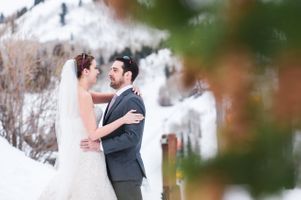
81	175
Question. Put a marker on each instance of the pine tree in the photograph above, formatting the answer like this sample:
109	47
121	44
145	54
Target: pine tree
63	14
21	12
1	62
2	18
38	1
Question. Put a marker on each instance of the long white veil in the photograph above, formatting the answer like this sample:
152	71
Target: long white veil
69	129
67	107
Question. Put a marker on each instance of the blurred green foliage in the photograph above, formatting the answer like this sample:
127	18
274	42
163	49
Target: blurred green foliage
263	27
266	30
264	166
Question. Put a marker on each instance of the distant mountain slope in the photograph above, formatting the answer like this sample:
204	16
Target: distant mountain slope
91	24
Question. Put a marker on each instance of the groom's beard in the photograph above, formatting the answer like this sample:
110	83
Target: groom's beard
117	83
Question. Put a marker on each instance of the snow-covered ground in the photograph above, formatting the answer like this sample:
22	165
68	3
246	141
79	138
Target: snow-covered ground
20	176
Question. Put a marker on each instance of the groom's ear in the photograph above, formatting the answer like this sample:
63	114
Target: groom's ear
128	75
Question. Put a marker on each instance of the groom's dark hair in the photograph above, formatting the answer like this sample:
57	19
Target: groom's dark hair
129	65
83	61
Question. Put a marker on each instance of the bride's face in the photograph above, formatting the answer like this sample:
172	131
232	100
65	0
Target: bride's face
92	73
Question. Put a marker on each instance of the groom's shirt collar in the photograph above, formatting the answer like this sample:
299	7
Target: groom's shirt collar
120	91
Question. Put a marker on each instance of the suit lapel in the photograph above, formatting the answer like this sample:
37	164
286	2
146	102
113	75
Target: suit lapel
109	112
104	118
116	103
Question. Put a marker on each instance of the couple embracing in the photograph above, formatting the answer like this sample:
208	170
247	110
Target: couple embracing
98	163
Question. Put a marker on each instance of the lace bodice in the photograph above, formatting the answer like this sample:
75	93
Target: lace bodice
98	114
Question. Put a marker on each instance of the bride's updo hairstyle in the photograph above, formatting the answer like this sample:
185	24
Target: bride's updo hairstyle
83	61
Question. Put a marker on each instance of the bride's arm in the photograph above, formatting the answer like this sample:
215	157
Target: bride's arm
89	120
100	97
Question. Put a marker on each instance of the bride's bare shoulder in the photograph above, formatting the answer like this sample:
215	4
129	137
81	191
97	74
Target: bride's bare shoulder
84	96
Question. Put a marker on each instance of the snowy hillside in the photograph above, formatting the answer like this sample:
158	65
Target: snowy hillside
91	25
10	7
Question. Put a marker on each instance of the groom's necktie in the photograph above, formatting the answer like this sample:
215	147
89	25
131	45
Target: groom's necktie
112	101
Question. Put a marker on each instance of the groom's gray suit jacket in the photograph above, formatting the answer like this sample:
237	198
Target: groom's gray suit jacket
122	147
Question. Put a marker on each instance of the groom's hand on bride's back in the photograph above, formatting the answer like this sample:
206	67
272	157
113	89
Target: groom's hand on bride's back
89	145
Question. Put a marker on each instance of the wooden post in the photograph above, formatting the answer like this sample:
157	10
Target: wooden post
169	148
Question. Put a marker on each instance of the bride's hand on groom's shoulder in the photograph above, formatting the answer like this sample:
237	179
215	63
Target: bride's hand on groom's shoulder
137	91
89	145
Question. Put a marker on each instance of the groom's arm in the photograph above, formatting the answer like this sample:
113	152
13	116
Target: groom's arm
132	132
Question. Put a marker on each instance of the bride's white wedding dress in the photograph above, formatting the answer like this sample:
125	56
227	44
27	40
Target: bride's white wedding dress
80	175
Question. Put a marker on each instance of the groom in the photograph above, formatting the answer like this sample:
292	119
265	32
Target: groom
122	147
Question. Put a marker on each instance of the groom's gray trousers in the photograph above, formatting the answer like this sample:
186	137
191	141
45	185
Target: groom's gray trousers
128	190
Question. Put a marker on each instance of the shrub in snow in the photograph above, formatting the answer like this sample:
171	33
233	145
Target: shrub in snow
27	103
